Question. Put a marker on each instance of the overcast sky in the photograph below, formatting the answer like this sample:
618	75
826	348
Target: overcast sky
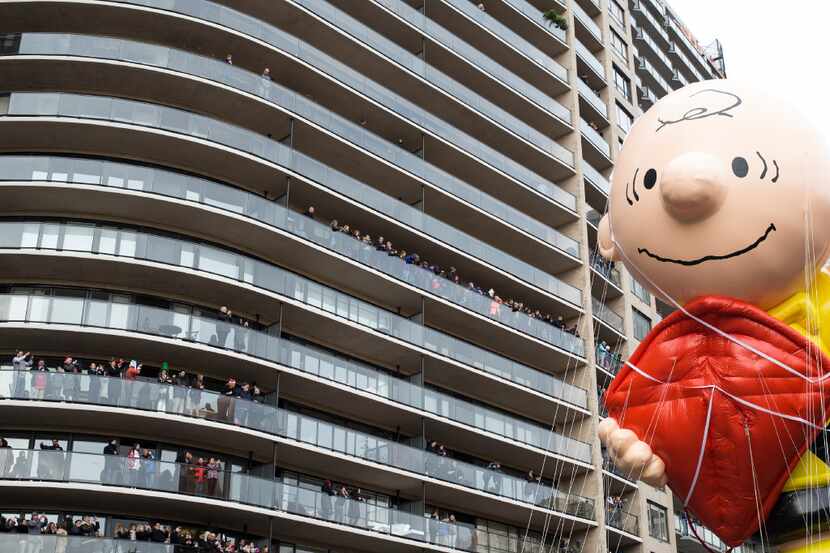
781	45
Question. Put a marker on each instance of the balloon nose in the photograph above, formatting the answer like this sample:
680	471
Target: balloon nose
692	187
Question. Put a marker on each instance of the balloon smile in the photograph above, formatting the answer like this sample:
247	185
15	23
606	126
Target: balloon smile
689	262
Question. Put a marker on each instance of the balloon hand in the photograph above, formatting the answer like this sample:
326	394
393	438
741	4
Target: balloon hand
631	455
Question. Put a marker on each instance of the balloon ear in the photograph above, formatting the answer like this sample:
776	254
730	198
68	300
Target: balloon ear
605	243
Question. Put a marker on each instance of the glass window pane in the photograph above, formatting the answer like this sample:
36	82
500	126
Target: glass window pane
78	237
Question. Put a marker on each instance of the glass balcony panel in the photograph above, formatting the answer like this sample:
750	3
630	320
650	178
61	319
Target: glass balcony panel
203	127
153	396
590	59
595	138
279	39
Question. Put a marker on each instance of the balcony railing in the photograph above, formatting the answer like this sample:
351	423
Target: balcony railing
644	36
359	376
275	215
450	41
678	77
213	261
657	27
48	543
592	97
623	520
151	115
647	95
588	21
511	37
675	50
589	58
609	360
646	66
190	402
696	55
606	269
534	14
596	178
608	315
185	62
234	487
285	42
595	138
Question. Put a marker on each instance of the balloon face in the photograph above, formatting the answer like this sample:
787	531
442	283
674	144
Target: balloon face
720	190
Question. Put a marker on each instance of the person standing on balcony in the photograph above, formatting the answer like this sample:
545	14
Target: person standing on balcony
223	327
325	500
214	468
21	362
110	474
94	373
181	383
39	380
6	457
340	503
134	465
114	382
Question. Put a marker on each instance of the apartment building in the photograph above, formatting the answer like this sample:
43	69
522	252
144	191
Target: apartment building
319	275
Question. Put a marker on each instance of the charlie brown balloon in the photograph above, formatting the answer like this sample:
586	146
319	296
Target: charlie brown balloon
720	206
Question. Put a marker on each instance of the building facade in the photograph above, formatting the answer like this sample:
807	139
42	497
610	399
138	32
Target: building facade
319	275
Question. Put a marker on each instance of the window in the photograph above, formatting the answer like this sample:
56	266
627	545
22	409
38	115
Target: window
617	12
619	45
624	119
640	291
622	83
658	522
642	325
9	43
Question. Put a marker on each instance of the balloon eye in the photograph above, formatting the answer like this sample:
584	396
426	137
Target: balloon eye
740	167
650	179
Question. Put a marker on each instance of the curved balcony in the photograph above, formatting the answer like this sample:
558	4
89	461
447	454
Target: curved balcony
472	33
110	243
250	144
510	39
102	472
459	57
113	176
624	522
81	544
611	325
533	15
588	31
357	81
346	325
252	272
195	258
36	386
294	105
318	75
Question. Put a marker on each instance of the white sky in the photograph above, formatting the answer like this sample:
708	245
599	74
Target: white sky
780	45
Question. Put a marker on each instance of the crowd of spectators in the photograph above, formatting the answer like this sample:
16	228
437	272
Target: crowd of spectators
448	468
133	466
178	391
180	537
342	503
448	274
444	276
38	524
